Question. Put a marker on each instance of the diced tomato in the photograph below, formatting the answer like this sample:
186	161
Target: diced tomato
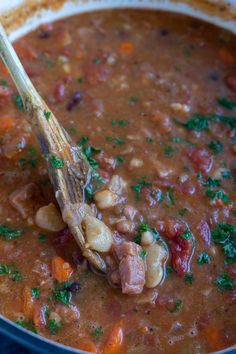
201	159
174	228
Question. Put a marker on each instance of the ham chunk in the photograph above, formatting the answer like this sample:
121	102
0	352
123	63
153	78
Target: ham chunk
131	267
26	200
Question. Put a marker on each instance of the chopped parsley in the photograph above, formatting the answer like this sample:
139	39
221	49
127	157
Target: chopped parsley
177	306
54	327
80	79
224	282
170	195
137	188
8	233
3	82
216	146
149	140
203	258
41	238
11	271
97	61
62	293
199	122
133	100
47	114
225	236
212	182
217	194
26	324
56	162
18	102
188	278
226	103
183	212
35	292
31	159
226	174
121	122
120	159
97	332
83	140
169	151
186	235
143	227
143	254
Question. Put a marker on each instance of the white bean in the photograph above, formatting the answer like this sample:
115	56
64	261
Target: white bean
98	235
55	317
146	238
135	163
155	257
105	199
49	218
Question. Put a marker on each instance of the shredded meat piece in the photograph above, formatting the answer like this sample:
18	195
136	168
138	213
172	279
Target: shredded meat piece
131	269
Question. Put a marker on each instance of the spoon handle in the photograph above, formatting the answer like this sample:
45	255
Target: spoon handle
70	171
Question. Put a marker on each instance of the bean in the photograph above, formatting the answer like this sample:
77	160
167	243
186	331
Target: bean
146	238
155	257
105	199
98	235
49	218
117	184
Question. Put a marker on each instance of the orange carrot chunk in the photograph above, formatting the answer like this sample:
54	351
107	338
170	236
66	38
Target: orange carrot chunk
115	341
28	303
126	47
61	270
6	123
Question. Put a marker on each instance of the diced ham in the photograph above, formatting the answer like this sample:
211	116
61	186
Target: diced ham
26	200
131	267
201	159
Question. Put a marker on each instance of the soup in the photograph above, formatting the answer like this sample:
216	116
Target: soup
150	97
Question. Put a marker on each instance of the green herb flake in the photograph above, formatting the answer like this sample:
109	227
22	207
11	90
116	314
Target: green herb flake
143	227
143	254
18	102
35	292
177	306
204	258
226	103
11	271
8	233
225	236
54	327
224	282
149	140
212	182
218	194
83	140
97	61
137	188
188	278
186	235
80	80
169	151
216	146
26	324
42	238
133	100
47	114
183	212
3	82
97	332
169	270
62	293
120	160
56	162
226	174
170	195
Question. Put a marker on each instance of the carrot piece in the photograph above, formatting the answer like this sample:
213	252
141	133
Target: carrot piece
126	47
61	270
28	303
115	341
226	56
7	123
87	345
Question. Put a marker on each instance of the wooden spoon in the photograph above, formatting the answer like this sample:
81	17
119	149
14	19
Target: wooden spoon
68	168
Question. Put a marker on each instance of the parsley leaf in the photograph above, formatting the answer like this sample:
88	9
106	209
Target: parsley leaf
27	325
18	102
35	292
218	194
188	278
47	114
97	332
224	282
54	326
137	188
56	162
204	258
11	271
62	293
225	236
226	102
143	254
216	146
186	235
9	234
212	182
177	306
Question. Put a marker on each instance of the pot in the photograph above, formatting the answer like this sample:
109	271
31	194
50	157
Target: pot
22	16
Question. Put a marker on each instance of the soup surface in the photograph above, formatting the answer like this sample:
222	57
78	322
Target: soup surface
150	97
